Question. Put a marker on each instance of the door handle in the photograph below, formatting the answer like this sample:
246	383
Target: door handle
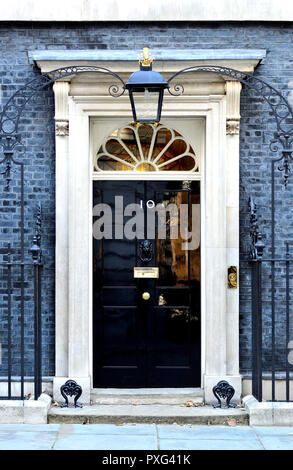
146	296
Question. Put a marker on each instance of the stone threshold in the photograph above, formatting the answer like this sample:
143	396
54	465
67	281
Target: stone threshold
154	414
146	396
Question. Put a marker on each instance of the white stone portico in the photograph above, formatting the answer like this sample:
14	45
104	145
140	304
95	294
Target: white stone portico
212	97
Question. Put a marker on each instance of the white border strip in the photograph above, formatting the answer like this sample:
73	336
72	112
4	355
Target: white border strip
149	10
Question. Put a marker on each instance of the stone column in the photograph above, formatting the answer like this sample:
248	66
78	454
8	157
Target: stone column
72	244
233	89
224	365
215	241
80	216
61	90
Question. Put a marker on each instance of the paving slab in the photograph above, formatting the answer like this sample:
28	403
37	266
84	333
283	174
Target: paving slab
275	437
209	444
105	442
205	432
22	438
207	438
144	437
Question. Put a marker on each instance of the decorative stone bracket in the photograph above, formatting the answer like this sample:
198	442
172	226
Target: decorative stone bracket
61	127
233	89
232	126
61	91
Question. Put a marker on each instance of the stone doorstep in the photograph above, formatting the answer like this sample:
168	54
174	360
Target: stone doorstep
143	400
268	413
25	411
151	396
157	414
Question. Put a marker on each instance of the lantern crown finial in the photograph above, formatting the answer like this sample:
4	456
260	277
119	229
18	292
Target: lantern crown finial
145	59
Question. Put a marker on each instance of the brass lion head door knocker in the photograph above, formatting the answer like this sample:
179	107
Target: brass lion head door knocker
146	251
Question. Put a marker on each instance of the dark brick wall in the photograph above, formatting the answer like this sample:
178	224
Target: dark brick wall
37	127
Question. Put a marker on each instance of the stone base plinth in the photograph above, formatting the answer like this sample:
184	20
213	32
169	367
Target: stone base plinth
211	380
84	382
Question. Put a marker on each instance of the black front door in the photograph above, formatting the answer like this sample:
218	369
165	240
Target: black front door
146	330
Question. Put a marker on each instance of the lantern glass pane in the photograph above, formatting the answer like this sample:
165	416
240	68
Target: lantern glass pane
146	105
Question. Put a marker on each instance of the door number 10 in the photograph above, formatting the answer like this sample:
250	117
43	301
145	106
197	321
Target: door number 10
150	204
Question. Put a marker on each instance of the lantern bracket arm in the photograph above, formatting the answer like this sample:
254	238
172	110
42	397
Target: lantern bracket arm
14	107
280	107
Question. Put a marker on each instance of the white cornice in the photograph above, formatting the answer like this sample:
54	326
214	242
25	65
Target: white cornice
127	55
166	60
148	10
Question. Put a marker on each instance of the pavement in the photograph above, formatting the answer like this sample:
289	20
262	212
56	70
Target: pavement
143	437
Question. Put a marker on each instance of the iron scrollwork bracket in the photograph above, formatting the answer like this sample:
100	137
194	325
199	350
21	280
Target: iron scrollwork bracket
70	389
14	107
257	243
35	250
7	172
285	166
8	141
279	105
224	390
284	142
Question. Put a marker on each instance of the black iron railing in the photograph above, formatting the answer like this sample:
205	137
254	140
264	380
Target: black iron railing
15	384
20	292
271	307
271	327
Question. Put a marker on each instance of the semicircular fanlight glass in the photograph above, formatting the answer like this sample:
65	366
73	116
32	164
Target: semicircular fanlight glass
146	148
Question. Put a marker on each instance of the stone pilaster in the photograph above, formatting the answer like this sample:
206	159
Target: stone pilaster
61	91
233	89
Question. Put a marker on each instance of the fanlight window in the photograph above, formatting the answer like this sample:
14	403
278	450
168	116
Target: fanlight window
146	148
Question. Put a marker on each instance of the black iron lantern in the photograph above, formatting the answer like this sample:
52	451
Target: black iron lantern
146	90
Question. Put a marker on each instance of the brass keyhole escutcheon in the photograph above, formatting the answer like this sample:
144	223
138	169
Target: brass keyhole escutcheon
146	296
